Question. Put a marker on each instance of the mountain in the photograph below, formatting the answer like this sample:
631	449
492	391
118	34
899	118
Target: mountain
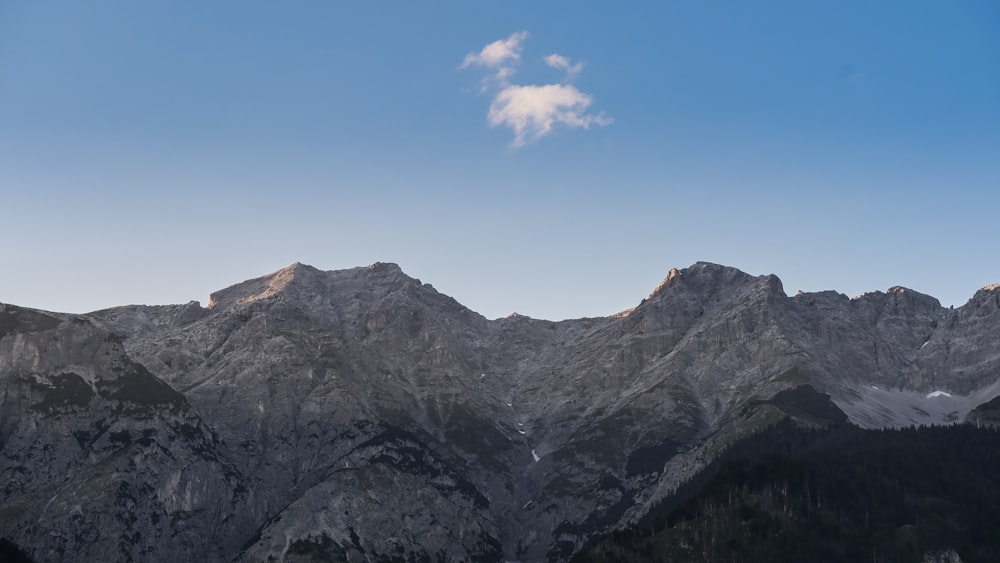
842	494
360	415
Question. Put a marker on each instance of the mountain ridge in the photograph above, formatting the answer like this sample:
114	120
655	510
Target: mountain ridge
271	284
534	435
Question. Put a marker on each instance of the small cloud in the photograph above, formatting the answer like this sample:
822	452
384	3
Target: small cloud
533	111
562	63
499	54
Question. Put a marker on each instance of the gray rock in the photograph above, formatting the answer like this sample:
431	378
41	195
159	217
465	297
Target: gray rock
945	556
360	414
102	461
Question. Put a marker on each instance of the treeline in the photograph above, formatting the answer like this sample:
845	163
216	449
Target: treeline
11	553
837	495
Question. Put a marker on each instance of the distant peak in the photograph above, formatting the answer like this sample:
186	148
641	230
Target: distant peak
825	295
297	267
386	269
715	270
704	273
988	293
702	265
899	296
300	281
261	288
672	274
913	296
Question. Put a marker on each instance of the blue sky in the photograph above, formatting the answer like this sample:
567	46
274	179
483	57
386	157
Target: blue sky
154	152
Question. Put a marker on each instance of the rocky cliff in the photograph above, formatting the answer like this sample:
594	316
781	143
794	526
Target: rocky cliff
361	415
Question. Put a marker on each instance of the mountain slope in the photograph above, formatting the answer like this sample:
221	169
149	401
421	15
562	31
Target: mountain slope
100	460
842	494
366	413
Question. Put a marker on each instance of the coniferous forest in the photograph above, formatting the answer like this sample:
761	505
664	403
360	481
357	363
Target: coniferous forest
841	494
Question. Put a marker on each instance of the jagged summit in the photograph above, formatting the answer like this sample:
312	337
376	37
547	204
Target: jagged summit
673	274
385	267
708	276
905	291
304	281
260	288
900	296
311	285
987	294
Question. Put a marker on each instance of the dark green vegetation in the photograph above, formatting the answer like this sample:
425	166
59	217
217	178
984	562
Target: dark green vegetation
316	549
805	405
840	494
986	414
11	553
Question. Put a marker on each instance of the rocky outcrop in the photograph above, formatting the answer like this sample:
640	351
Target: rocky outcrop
102	461
947	556
361	415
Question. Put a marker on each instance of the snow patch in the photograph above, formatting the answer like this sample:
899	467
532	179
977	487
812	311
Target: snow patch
535	456
924	344
522	432
938	394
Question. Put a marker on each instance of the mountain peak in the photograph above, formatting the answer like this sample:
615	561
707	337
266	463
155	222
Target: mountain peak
702	274
261	288
298	267
716	272
988	293
385	267
910	297
302	281
673	274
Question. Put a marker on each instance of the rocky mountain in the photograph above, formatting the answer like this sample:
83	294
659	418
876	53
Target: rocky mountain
360	415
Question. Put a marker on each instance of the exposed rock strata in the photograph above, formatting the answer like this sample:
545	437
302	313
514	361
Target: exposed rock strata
360	414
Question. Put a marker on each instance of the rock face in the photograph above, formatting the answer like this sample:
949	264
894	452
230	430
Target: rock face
361	415
102	461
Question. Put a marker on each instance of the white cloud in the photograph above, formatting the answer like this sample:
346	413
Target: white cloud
562	63
533	111
501	54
